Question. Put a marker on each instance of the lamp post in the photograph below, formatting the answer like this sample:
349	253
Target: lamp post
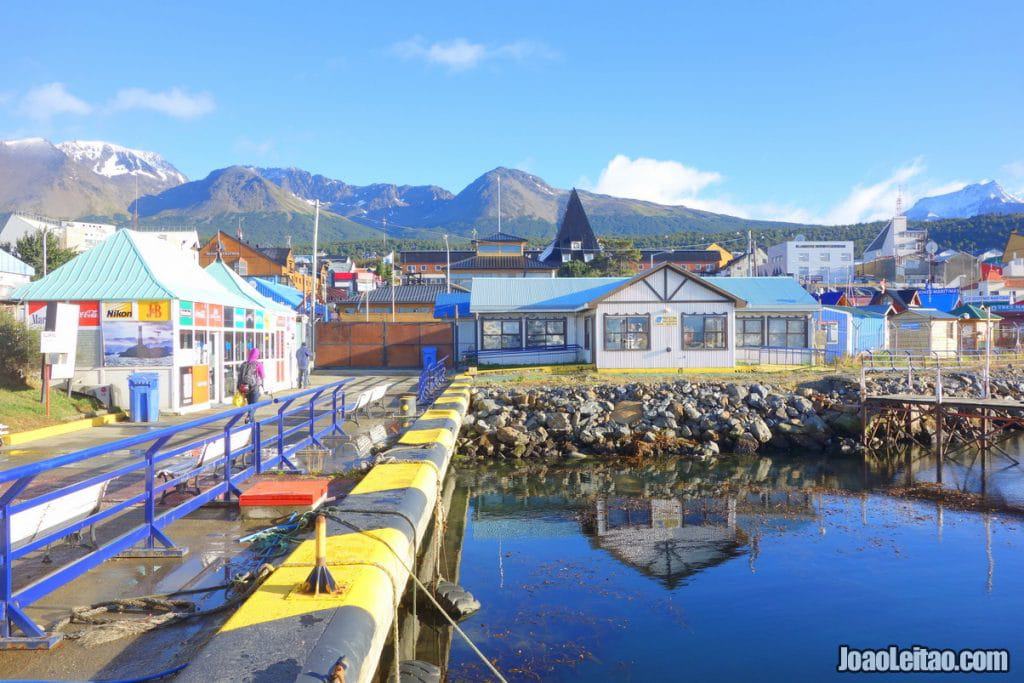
447	266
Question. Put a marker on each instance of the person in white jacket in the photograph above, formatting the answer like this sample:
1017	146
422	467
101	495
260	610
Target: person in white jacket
304	357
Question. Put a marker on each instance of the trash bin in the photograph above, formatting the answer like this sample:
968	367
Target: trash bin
144	396
429	355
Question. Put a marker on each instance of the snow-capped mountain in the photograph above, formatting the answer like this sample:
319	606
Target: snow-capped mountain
75	179
110	160
972	200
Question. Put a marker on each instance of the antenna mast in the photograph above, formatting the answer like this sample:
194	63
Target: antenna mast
499	205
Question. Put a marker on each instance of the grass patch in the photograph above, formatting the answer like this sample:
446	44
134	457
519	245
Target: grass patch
21	410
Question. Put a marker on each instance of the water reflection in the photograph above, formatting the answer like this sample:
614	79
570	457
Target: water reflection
607	571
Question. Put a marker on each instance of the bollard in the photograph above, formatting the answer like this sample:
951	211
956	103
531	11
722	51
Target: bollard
320	579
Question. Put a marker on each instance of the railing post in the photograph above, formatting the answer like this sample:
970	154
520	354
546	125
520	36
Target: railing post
257	447
229	486
155	535
11	615
335	426
313	436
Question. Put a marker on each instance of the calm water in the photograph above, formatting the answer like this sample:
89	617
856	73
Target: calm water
746	572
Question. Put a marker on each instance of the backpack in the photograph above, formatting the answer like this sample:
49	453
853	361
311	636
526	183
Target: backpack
248	376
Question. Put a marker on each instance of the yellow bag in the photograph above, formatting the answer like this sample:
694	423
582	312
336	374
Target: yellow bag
238	400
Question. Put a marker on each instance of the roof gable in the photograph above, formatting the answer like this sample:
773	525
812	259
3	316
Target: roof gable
667	283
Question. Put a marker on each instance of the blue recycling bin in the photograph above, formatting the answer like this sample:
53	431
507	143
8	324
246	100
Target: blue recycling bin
144	396
429	355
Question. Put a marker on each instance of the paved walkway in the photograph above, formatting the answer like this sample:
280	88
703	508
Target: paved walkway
42	449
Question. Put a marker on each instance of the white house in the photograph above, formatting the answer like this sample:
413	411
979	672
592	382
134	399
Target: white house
665	318
895	240
813	261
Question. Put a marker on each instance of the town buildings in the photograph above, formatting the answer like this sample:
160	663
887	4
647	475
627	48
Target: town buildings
76	235
500	255
813	260
575	239
276	264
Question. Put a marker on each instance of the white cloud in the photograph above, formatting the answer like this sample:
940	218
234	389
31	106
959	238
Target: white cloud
45	101
874	202
461	55
174	102
673	183
662	182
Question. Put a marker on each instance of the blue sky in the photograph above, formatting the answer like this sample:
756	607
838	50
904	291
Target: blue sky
809	111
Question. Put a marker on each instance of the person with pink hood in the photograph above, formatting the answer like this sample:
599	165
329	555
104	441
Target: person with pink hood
250	377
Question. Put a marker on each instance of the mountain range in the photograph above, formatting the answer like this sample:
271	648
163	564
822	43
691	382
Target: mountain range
101	180
973	200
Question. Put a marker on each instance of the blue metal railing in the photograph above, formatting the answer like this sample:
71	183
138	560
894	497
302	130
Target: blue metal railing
432	381
567	353
302	419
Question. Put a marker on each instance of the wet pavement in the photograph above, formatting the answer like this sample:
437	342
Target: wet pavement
211	534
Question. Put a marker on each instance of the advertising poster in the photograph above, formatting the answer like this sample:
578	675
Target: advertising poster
154	311
215	315
118	310
201	318
88	314
185	313
133	344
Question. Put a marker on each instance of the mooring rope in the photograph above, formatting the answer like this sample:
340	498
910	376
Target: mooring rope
472	645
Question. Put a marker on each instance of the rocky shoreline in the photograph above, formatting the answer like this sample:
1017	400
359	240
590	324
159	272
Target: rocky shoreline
700	420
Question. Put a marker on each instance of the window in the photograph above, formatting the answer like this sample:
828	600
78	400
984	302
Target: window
787	333
566	258
423	269
802	256
704	331
185	339
545	332
501	334
832	332
847	256
627	333
242	266
437	268
826	256
411	268
751	332
576	245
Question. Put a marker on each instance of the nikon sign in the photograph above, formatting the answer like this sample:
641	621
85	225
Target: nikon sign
120	310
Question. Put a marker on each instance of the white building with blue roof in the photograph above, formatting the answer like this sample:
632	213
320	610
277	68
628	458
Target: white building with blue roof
666	318
13	274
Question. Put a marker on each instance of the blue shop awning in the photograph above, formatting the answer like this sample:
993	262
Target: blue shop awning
451	305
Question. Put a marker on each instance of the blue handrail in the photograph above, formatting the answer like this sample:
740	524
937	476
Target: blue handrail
432	381
302	419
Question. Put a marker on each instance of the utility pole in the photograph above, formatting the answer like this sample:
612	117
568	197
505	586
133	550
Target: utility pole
750	253
447	266
45	240
312	298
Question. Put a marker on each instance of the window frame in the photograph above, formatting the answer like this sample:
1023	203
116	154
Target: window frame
547	333
504	338
625	333
788	320
721	345
742	332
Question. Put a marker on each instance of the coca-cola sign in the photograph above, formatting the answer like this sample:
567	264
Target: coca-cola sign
88	313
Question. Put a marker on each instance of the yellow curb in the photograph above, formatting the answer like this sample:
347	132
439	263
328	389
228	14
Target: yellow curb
551	369
63	428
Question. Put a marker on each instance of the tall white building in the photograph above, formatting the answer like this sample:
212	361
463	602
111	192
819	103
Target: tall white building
812	261
897	241
78	235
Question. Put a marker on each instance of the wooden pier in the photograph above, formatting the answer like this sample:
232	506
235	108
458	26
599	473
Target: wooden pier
947	425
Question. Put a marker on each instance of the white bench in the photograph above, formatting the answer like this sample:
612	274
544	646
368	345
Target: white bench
197	457
63	511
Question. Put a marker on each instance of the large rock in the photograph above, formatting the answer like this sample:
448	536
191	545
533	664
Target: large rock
558	423
760	430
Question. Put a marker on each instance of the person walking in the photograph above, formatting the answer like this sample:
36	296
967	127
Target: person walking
303	356
250	377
